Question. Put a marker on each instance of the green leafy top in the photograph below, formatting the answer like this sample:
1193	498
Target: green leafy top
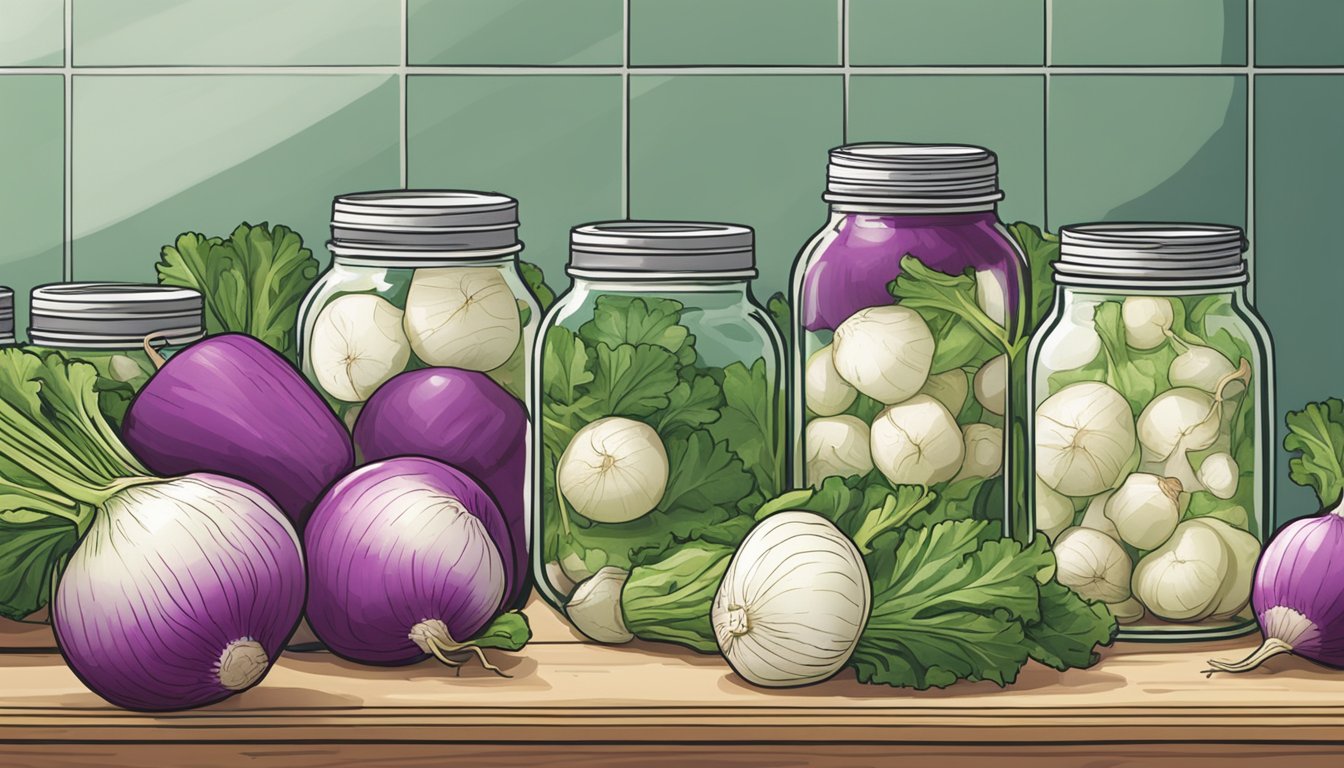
536	282
1042	251
59	461
1316	440
721	427
252	281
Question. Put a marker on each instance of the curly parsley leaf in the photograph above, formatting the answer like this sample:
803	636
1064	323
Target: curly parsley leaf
751	420
1042	251
1316	440
536	283
1069	629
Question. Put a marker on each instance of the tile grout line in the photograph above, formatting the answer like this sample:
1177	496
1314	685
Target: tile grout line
1250	149
1047	58
845	71
68	80
429	69
625	109
402	118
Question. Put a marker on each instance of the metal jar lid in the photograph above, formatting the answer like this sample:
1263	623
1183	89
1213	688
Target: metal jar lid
6	315
1157	255
913	175
423	225
662	247
113	315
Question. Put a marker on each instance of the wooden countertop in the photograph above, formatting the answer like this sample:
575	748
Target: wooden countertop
573	703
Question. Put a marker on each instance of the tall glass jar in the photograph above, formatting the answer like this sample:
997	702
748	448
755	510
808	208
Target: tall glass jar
1151	389
908	320
6	316
660	399
122	329
418	278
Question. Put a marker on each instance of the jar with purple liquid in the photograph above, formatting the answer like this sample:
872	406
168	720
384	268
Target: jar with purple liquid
910	328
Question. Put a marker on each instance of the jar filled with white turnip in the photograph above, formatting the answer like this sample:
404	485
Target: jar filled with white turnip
1151	432
419	279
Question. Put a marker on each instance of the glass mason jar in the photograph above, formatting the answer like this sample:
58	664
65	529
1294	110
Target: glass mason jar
124	330
1151	387
6	316
660	400
418	278
908	321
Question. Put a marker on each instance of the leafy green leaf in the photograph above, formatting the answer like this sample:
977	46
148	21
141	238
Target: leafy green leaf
638	320
669	600
947	302
253	282
1069	629
750	422
1316	440
633	381
566	361
782	316
1138	375
508	632
536	282
702	474
1042	251
1205	504
690	405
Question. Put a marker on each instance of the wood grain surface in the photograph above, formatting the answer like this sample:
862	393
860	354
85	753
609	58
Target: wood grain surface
574	703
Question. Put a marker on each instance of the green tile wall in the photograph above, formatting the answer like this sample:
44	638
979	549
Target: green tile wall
157	155
196	114
236	32
1299	260
509	32
946	32
681	32
32	188
553	142
1149	32
32	33
749	149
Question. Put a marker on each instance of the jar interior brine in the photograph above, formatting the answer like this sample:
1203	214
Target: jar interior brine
909	326
1150	427
660	404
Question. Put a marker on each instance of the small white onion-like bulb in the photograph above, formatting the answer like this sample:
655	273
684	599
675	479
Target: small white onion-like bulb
917	442
1084	438
991	385
1178	420
949	388
1182	579
463	317
1199	367
1126	611
614	470
989	295
837	446
1092	564
1074	346
1147	320
1054	512
826	393
1094	516
1243	552
595	609
983	448
793	602
357	344
1145	509
885	352
1219	475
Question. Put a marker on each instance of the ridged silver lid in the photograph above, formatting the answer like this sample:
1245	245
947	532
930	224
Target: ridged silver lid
662	247
113	315
6	315
915	175
408	223
1158	254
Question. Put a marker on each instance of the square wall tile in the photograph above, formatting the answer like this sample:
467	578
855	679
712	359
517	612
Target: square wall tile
552	141
526	32
157	155
1299	120
1304	33
32	33
747	149
1002	112
728	32
1146	148
1148	32
237	32
946	32
32	185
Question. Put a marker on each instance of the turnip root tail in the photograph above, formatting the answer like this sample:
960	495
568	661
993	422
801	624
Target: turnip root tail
151	352
1271	647
432	636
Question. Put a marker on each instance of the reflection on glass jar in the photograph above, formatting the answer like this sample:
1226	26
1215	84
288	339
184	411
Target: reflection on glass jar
909	321
125	330
418	278
1150	387
659	407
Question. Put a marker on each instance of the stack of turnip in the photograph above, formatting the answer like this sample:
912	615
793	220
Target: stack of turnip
1143	455
926	429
